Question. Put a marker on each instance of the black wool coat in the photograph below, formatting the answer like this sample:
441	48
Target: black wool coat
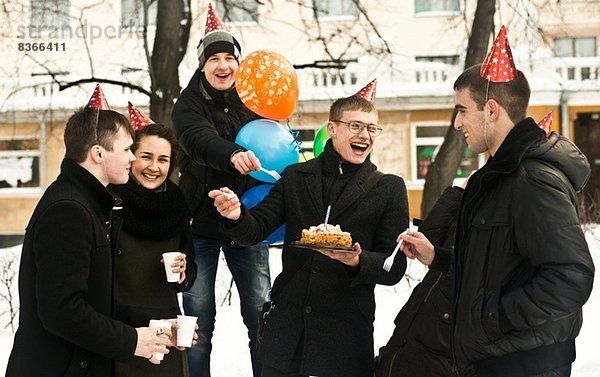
206	122
319	302
66	284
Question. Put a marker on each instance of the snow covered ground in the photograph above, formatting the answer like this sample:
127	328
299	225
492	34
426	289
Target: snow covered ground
230	357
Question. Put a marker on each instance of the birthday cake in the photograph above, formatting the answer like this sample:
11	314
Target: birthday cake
326	235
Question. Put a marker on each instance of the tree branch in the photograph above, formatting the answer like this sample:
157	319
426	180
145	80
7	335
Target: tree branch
123	84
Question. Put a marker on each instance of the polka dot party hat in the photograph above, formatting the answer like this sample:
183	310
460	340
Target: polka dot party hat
499	65
369	91
137	119
98	100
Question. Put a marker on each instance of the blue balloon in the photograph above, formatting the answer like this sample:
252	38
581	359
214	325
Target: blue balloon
271	143
254	196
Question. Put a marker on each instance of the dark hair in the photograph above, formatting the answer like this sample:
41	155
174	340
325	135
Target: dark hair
352	103
88	127
163	132
513	95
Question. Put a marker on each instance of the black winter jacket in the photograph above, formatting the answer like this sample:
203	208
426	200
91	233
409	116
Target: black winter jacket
66	284
320	303
522	264
420	344
206	126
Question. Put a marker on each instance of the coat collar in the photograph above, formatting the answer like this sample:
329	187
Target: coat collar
313	182
90	187
519	140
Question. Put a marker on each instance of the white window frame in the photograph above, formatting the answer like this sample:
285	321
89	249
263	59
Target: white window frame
573	40
35	153
137	4
337	17
59	20
435	13
415	142
251	22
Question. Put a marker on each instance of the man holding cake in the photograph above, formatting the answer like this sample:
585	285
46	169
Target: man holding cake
320	321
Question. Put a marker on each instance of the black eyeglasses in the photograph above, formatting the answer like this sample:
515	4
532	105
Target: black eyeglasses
356	127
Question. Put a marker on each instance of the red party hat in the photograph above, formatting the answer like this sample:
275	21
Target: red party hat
546	124
213	21
98	100
137	119
369	91
499	65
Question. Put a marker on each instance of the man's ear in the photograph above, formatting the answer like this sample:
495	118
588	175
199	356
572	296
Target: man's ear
330	128
493	110
96	153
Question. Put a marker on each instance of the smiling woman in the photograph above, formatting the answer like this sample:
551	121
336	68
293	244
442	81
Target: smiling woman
155	220
152	161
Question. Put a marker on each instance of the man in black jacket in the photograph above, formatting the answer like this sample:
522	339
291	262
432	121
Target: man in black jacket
66	273
206	119
420	343
522	266
320	321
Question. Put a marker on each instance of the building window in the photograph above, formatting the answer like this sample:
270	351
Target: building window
575	47
427	139
422	6
132	12
336	8
19	163
238	10
306	137
46	13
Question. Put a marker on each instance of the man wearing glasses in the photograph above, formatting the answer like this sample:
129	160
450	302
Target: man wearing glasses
320	320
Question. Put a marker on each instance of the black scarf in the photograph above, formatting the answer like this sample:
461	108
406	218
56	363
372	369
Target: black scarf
152	214
336	173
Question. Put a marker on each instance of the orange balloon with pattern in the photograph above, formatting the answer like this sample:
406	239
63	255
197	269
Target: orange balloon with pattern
267	84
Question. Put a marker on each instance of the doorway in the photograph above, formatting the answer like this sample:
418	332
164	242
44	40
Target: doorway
587	138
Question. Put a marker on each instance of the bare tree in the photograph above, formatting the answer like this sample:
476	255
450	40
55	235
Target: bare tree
8	273
443	168
170	45
173	23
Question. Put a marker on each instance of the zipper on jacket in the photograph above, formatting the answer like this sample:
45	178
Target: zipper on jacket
457	258
433	286
340	167
392	364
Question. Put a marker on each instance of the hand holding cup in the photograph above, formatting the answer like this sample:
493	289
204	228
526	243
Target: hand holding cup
186	330
162	328
173	261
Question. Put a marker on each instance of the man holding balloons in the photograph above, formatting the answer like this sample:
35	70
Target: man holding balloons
320	320
207	118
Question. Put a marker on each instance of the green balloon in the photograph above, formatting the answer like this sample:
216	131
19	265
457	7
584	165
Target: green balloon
321	138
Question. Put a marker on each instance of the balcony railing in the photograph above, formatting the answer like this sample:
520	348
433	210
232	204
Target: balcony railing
396	78
401	78
577	71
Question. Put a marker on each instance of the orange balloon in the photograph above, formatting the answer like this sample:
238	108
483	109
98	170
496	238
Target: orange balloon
267	84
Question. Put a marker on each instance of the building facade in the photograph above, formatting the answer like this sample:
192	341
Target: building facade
415	49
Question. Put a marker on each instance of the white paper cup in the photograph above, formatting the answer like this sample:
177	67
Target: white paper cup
169	258
185	333
159	323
